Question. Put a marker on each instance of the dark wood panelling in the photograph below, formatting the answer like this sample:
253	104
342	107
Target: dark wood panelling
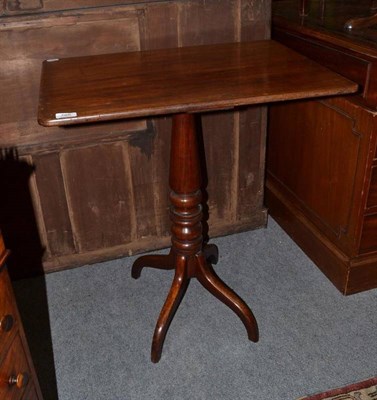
372	198
349	65
162	20
315	160
362	274
22	5
96	181
135	153
250	187
71	34
255	20
300	228
323	190
350	52
218	159
319	161
56	219
209	24
368	241
140	151
19	7
160	166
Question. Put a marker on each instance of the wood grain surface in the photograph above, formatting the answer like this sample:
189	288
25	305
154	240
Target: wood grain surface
188	79
67	233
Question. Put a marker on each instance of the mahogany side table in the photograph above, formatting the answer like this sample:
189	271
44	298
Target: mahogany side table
182	82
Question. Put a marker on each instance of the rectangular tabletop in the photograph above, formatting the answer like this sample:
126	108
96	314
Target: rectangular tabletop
187	79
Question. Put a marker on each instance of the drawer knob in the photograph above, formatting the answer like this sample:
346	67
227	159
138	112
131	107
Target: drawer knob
19	380
6	323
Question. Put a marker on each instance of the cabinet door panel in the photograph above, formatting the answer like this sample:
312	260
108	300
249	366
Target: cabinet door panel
372	198
53	203
369	235
14	364
99	196
316	159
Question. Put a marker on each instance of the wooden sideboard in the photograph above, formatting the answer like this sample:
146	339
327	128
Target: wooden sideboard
18	380
99	192
322	157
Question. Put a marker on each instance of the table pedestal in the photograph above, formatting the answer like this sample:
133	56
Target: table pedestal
164	82
188	255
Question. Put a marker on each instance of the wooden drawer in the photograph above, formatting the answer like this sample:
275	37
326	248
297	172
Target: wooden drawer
15	357
14	366
30	393
8	313
368	241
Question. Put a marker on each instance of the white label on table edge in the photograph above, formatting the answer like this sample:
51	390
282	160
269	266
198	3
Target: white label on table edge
65	115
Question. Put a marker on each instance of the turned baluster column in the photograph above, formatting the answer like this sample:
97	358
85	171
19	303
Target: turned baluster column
185	181
186	216
188	256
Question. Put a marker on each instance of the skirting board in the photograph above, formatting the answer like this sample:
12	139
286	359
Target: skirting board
349	275
259	220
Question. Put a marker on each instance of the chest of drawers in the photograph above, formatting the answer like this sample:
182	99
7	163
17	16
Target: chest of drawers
322	155
17	375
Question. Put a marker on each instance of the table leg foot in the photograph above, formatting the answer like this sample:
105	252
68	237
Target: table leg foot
163	261
211	253
176	293
208	278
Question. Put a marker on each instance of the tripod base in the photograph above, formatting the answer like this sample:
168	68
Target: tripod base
188	256
198	267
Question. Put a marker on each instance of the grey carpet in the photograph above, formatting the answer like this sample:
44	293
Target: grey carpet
311	337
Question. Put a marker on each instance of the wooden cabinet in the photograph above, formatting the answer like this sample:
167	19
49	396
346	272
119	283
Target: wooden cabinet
322	159
17	376
100	191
